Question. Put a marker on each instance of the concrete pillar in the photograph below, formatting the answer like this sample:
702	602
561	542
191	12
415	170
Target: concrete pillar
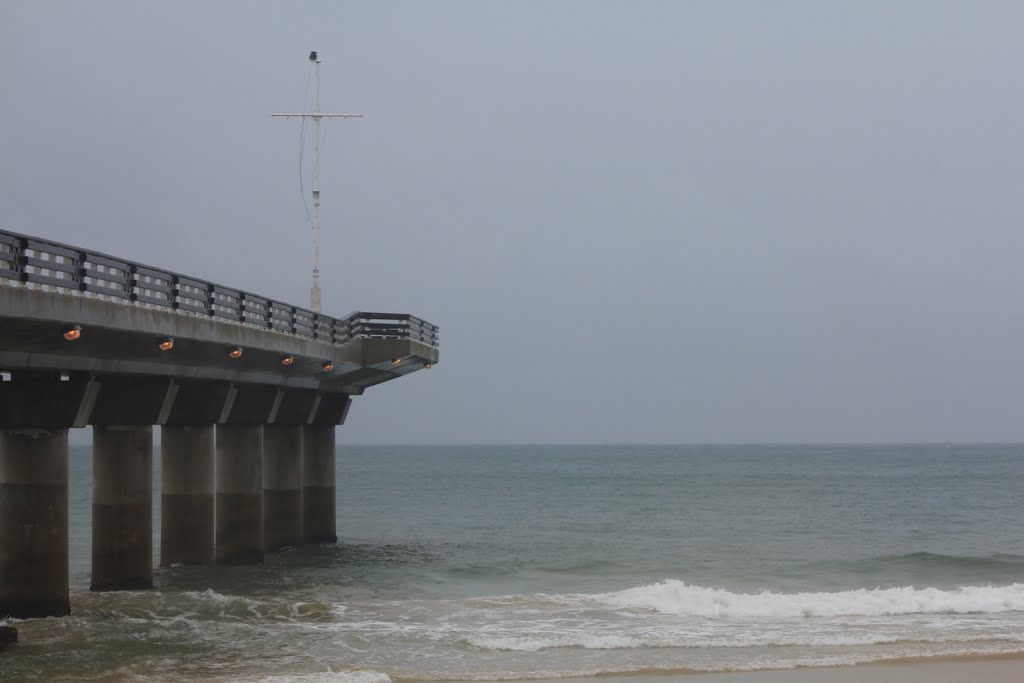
282	486
34	523
122	508
186	501
318	489
239	494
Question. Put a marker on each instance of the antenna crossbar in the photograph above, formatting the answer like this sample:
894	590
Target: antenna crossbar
319	116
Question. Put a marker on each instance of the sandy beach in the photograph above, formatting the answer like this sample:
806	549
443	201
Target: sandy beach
939	670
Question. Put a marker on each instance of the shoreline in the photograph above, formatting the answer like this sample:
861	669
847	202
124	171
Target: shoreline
991	668
943	669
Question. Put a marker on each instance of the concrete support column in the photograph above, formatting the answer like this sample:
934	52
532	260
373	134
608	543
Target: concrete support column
239	494
282	486
318	487
186	501
34	523
122	508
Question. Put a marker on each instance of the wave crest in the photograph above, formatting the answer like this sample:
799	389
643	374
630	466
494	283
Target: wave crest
677	597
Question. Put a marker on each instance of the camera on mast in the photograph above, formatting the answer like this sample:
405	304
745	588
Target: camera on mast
312	56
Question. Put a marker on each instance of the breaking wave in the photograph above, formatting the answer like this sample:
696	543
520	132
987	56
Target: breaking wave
679	598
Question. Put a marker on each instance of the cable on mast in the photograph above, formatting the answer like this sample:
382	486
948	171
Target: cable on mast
302	145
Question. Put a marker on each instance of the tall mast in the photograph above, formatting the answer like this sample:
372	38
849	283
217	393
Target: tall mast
316	115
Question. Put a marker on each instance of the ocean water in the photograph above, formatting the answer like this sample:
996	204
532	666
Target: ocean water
493	563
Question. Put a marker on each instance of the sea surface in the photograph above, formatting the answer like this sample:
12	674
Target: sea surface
495	563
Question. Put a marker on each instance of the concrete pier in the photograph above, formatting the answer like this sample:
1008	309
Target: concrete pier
186	500
318	485
282	486
239	494
92	340
34	523
122	508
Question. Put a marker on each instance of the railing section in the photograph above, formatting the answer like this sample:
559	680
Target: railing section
26	259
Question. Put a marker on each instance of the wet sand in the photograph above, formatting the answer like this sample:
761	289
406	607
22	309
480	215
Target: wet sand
999	669
981	670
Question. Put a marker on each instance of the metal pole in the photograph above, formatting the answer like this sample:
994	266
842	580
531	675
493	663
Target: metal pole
315	292
316	115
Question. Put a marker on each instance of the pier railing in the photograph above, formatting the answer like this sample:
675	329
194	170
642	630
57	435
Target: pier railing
29	260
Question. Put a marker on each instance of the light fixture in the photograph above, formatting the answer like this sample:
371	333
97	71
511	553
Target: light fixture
71	332
428	365
396	361
287	359
328	366
235	352
165	343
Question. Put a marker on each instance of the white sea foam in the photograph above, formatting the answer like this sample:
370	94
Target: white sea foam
229	606
593	641
329	677
213	597
677	597
536	643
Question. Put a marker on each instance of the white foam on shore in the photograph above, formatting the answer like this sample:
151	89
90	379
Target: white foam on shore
679	598
212	597
587	641
329	677
537	643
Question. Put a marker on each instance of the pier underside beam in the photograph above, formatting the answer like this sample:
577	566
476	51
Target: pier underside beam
240	473
187	462
319	512
123	415
36	410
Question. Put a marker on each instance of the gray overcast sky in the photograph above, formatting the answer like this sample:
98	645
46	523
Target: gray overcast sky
634	221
